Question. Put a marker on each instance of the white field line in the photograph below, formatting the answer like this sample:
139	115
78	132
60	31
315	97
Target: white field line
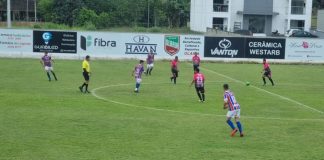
188	113
260	89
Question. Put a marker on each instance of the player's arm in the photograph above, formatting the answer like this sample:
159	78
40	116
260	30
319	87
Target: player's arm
225	105
133	72
85	70
192	82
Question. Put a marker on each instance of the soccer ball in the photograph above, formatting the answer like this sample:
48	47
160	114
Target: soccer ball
247	83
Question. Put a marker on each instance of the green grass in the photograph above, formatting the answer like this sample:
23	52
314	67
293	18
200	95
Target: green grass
53	120
54	26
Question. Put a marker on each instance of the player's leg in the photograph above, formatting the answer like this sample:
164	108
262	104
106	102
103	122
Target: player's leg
269	77
202	91
86	86
47	69
172	75
229	115
85	76
195	67
147	69
52	71
175	75
263	78
151	68
198	93
238	123
138	84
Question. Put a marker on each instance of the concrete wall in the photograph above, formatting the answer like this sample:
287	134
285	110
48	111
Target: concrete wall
320	20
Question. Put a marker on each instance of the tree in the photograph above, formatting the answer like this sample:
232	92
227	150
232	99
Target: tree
86	16
45	9
66	11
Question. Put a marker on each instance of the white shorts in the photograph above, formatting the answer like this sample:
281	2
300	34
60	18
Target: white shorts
235	113
138	80
47	68
150	65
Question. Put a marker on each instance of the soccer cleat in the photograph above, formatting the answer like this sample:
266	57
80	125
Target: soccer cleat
87	92
241	135
80	89
233	132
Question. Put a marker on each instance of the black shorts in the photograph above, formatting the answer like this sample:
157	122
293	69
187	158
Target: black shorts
195	66
200	89
174	72
267	74
86	76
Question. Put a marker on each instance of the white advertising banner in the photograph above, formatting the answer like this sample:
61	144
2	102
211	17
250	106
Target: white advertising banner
304	49
16	41
191	44
138	45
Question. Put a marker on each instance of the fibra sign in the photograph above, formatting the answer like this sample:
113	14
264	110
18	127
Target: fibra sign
223	49
97	42
141	45
172	44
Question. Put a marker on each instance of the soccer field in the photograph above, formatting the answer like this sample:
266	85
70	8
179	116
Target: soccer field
42	120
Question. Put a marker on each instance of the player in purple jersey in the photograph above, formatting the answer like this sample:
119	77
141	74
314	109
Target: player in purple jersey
150	63
46	62
233	110
137	73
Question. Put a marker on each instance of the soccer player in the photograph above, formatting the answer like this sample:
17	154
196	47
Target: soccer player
199	80
150	63
195	61
46	61
266	72
233	110
137	73
174	70
86	74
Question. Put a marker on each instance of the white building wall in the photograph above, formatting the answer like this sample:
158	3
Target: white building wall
280	22
202	14
236	5
320	20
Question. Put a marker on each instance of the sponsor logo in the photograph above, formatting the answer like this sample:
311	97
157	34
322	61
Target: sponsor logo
96	42
141	45
55	42
224	50
265	48
305	45
172	44
47	36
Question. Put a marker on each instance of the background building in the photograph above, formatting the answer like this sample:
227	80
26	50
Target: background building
21	10
320	20
258	16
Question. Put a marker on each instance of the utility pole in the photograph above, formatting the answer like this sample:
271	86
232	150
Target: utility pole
8	14
35	10
27	12
148	13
